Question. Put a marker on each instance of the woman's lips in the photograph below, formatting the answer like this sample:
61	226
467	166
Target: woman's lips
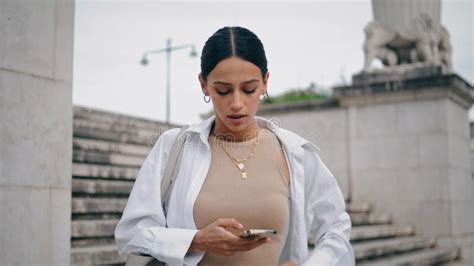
237	120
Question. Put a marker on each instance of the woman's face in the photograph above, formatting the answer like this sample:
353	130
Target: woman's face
235	86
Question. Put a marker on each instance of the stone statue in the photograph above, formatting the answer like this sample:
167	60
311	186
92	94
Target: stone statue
407	32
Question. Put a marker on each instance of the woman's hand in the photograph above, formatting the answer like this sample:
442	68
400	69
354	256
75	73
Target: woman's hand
218	238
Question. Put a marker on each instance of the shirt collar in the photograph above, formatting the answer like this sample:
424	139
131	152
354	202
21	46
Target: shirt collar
286	137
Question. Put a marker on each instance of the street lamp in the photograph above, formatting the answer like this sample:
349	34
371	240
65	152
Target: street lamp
144	61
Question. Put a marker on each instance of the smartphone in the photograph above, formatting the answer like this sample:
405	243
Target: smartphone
252	233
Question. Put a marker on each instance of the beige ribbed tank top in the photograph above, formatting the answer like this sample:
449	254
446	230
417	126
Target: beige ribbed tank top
258	202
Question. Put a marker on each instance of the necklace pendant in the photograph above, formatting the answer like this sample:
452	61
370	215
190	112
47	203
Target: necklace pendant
244	175
241	166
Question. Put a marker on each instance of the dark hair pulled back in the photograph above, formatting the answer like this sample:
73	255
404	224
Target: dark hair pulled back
233	41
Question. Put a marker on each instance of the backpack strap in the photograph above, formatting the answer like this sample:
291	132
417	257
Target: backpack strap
172	167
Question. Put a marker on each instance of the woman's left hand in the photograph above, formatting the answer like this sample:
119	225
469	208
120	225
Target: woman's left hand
288	263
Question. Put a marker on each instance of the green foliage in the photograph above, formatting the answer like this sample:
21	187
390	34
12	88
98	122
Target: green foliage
295	95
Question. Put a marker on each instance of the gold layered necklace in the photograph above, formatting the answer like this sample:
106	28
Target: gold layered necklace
240	164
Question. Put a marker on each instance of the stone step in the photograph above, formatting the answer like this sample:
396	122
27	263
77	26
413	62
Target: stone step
359	219
368	232
85	170
110	147
95	216
89	242
460	261
358	207
104	126
107	159
96	255
433	256
122	137
93	228
98	205
372	232
101	187
376	248
118	119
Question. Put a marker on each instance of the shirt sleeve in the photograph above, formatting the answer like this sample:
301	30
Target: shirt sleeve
328	224
142	228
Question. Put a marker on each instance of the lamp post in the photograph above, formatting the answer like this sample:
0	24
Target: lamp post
144	61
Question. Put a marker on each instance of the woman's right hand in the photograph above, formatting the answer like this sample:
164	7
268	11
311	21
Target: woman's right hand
218	238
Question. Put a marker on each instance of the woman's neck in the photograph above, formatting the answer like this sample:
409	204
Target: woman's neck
224	133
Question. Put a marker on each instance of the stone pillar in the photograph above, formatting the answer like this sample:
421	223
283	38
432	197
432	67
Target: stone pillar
399	15
410	148
36	60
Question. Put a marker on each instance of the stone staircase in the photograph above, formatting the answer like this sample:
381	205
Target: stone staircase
376	241
108	150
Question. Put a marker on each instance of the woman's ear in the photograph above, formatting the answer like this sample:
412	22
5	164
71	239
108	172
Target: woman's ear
203	83
265	83
265	80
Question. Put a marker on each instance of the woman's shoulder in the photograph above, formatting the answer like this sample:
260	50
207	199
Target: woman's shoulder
171	133
163	141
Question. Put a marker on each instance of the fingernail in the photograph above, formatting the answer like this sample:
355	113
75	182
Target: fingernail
240	226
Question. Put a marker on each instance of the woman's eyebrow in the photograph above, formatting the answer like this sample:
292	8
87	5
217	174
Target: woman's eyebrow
226	83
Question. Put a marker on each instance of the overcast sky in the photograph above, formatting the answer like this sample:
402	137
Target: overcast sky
311	41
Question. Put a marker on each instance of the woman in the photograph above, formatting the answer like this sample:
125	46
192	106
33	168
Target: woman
238	171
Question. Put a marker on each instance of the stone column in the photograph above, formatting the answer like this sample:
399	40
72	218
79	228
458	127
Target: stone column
399	15
410	148
36	60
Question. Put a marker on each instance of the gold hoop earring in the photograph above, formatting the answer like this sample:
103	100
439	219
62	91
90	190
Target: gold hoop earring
208	99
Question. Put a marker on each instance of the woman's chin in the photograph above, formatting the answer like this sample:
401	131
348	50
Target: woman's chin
235	128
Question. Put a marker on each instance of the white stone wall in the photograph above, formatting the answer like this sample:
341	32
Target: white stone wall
460	179
329	131
412	159
36	51
472	156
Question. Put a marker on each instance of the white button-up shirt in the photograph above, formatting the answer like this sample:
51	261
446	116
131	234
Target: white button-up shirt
317	207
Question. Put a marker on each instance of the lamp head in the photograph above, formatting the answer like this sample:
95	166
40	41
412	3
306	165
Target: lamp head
193	52
144	61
